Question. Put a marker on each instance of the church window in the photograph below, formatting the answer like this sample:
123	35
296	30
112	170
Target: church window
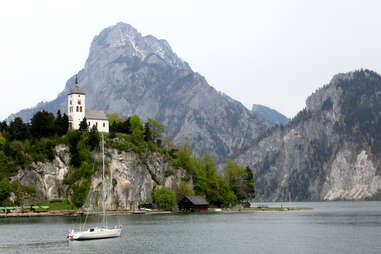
80	108
104	125
77	109
70	102
88	124
79	102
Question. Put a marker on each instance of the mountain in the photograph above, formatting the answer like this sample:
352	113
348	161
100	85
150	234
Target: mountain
269	114
330	150
128	73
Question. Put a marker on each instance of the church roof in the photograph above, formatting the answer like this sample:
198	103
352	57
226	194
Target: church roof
95	115
76	90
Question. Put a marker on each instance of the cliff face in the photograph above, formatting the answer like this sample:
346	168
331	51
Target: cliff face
128	181
330	150
128	73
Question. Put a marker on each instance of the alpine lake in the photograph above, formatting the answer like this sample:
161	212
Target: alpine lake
329	227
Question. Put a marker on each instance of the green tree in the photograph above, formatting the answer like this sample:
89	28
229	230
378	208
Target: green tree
137	131
5	188
18	129
24	194
156	130
80	193
3	126
163	198
250	184
236	177
43	124
114	118
93	139
83	125
61	123
184	190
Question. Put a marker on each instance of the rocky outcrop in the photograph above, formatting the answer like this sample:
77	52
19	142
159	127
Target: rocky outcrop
129	179
128	73
330	150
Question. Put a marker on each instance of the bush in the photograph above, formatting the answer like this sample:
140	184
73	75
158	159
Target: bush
163	198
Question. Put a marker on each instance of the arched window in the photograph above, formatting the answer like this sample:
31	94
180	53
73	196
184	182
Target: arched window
104	125
80	108
77	109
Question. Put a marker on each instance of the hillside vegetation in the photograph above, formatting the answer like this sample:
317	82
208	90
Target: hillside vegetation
24	143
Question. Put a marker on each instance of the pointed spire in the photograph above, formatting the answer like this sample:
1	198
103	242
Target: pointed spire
76	79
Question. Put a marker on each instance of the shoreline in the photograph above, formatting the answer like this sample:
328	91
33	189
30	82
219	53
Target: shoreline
76	213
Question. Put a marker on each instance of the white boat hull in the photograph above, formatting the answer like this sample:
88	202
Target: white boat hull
95	233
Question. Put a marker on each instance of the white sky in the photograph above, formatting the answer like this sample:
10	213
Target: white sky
274	53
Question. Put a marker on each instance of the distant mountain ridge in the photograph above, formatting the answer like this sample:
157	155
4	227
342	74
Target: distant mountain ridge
128	73
269	114
330	150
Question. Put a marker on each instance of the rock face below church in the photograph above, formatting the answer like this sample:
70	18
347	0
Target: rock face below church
330	150
128	180
128	73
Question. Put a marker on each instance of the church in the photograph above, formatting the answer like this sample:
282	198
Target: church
77	111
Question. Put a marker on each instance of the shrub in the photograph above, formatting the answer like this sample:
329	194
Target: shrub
163	198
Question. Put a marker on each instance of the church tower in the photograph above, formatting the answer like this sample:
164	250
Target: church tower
76	105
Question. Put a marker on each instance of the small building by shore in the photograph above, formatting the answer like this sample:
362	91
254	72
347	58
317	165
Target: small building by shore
193	204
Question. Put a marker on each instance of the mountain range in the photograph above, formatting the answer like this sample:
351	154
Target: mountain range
127	73
330	150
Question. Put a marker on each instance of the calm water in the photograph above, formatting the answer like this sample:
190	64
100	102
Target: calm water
331	227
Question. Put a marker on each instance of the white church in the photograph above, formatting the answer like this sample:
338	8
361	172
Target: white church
76	103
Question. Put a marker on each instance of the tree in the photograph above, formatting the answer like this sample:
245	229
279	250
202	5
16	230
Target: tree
155	130
114	118
163	198
18	129
4	189
61	123
3	126
43	124
250	184
93	139
184	190
24	194
236	177
83	125
137	131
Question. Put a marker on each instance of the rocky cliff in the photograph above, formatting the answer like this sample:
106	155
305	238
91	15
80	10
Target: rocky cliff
128	180
128	73
330	150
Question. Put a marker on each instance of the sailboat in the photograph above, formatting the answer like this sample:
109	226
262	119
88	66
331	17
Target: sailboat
102	231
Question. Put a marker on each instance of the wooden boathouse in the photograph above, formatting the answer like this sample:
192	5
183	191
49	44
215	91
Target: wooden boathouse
193	204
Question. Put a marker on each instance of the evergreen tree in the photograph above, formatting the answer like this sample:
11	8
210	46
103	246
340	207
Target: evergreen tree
3	126
18	129
64	125
83	125
147	133
93	139
43	125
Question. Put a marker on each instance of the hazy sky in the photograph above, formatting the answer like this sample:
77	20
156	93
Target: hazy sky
274	53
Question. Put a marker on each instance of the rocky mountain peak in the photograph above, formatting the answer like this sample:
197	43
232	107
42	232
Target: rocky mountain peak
123	40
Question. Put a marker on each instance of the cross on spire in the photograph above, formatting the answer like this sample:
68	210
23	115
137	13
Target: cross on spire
76	79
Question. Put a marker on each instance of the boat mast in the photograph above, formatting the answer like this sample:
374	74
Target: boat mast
104	183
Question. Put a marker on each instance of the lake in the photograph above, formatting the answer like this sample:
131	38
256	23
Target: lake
331	227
